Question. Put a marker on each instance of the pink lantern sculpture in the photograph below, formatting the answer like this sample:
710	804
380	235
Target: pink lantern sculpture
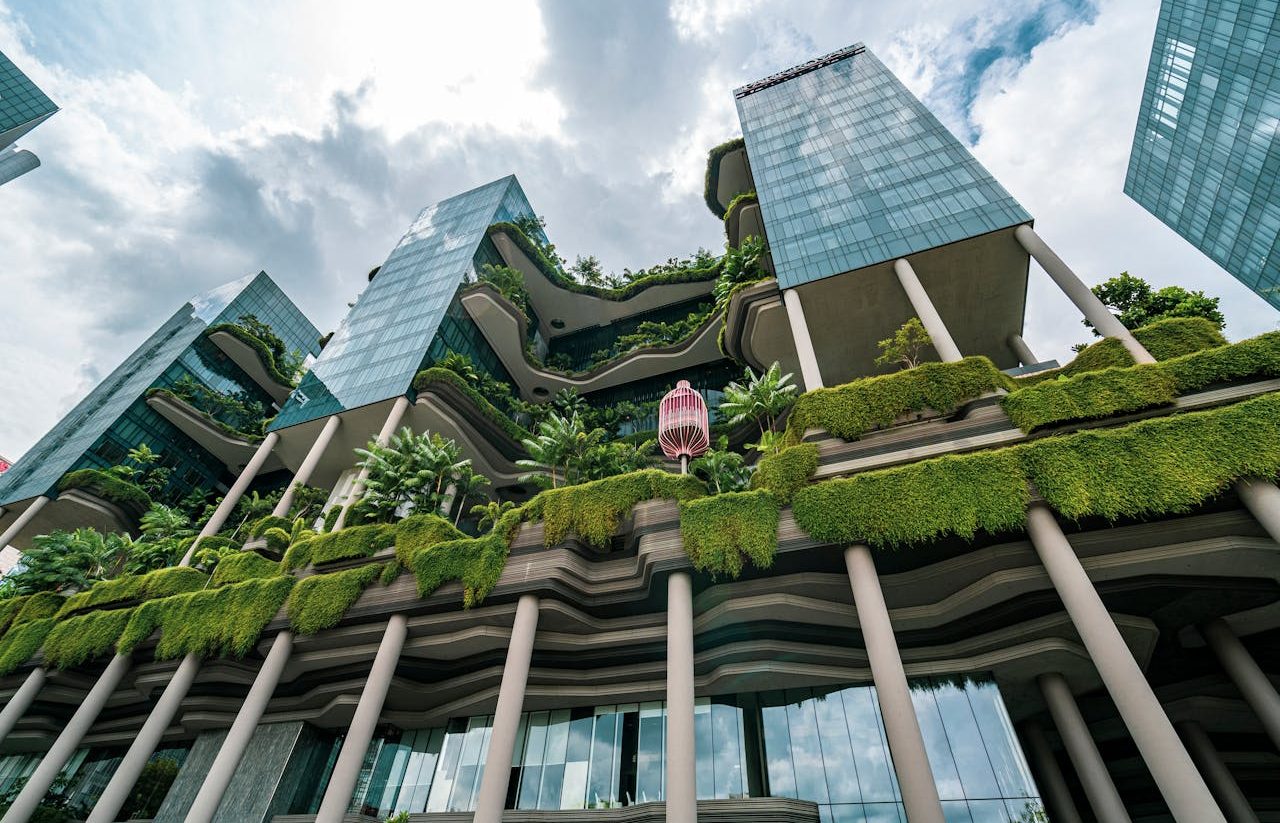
683	428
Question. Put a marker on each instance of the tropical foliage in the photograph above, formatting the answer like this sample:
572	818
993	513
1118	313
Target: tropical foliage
1136	303
414	472
761	399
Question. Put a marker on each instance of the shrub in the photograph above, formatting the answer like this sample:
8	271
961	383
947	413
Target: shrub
419	531
243	566
344	544
722	533
108	487
594	510
787	471
278	540
318	602
226	621
1090	396
89	636
851	410
159	583
20	643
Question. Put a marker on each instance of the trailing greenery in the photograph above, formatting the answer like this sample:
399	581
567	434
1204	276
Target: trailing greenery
113	489
738	201
1090	396
592	511
259	527
786	471
419	531
84	637
20	643
851	410
1176	336
712	182
265	355
344	544
476	562
1106	353
917	503
222	622
436	374
159	583
722	533
390	571
242	566
15	611
207	403
1255	357
318	602
278	541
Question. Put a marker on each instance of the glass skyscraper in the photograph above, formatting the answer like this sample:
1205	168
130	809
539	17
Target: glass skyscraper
23	106
852	170
1206	152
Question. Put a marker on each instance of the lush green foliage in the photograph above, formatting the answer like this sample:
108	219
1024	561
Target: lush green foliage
509	283
225	621
593	511
786	471
1136	303
741	200
89	636
906	347
1175	336
722	533
21	642
128	496
439	374
318	602
159	583
761	398
712	183
740	267
1255	357
259	527
420	531
24	608
242	566
851	410
281	366
722	469
344	544
651	334
63	560
476	562
235	415
414	470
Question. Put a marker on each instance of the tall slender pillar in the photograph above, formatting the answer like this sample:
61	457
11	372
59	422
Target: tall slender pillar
24	805
1180	783
233	747
1078	293
21	700
342	782
1220	780
1104	799
233	495
145	743
1248	676
1052	783
1025	356
906	744
938	334
682	790
388	428
506	717
28	514
308	467
809	371
1262	499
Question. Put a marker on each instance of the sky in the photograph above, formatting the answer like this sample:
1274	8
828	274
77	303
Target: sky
198	143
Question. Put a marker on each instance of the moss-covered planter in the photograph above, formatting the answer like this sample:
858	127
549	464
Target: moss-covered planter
128	496
318	602
437	375
345	544
20	643
420	531
711	185
593	511
723	533
15	611
246	565
787	471
222	622
85	637
135	588
260	348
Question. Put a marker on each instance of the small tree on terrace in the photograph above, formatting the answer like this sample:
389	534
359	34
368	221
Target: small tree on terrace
906	347
1135	303
761	398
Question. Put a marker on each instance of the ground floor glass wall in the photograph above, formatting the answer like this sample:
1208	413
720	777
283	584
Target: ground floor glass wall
825	745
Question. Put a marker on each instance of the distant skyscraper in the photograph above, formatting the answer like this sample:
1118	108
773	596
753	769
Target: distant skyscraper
1206	153
23	106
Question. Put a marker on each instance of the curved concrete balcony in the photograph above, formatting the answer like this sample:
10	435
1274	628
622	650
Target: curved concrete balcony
70	510
561	311
504	326
232	448
744	219
246	357
756	331
728	175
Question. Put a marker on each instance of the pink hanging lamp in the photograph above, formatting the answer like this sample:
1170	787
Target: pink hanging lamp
684	430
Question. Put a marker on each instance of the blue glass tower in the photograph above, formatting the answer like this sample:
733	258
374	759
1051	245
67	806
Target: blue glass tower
23	106
387	336
115	417
1206	151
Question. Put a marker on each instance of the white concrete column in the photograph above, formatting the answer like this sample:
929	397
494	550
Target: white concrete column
21	700
906	744
682	790
1248	676
1220	780
1078	293
1052	783
1025	356
388	428
145	743
342	782
309	463
1180	783
809	371
938	334
1262	499
237	740
506	717
1104	799
237	490
24	805
28	514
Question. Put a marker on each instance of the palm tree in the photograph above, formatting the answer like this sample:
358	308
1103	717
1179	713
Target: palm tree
557	449
721	468
762	399
465	484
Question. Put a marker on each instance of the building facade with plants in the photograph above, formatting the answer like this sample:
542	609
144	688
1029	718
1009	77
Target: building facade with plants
921	575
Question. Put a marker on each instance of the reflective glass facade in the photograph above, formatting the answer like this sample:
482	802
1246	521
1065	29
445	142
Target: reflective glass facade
22	103
1206	152
385	338
823	745
851	170
114	417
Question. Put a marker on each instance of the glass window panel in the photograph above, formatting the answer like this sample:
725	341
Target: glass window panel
777	746
870	754
837	751
649	757
935	742
956	811
968	751
1003	749
806	750
602	781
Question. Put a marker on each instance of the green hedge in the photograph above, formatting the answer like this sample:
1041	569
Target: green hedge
158	583
27	607
1090	396
243	566
222	622
259	527
475	561
318	602
110	488
1176	336
264	353
436	374
345	544
75	640
712	181
1255	357
736	202
593	510
786	471
722	533
851	410
418	531
20	643
917	503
